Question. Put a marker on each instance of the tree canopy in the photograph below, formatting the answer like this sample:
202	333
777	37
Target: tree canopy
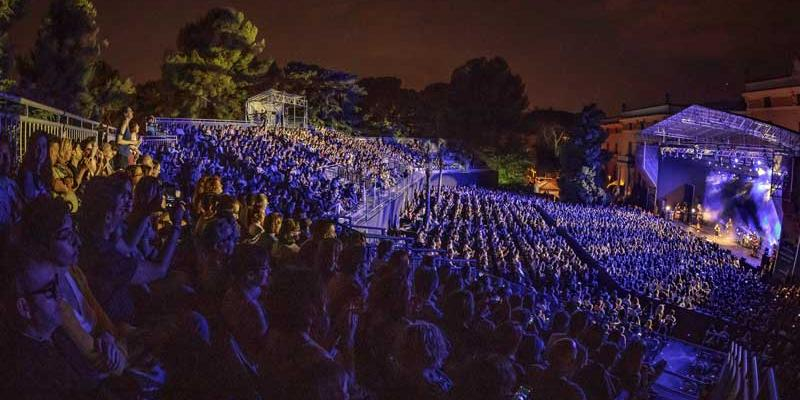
432	110
215	64
485	101
512	166
9	12
582	160
333	96
59	69
111	93
387	108
548	130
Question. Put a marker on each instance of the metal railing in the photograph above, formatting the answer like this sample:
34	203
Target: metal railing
373	199
203	122
20	118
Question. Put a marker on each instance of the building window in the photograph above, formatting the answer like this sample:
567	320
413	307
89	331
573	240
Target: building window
616	148
797	99
767	102
630	147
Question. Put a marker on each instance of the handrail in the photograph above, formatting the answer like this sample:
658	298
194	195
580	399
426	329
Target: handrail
19	123
202	121
157	138
28	102
354	226
331	166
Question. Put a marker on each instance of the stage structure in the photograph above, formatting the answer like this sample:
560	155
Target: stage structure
276	108
726	169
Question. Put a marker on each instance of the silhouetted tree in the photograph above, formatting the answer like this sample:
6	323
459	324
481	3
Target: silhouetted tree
432	110
10	11
387	109
582	160
549	131
333	96
215	63
485	102
111	93
154	98
59	69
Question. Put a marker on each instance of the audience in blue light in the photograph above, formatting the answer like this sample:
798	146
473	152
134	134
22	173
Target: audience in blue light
213	268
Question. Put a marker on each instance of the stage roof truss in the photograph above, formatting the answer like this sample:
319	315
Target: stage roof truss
276	96
697	125
277	108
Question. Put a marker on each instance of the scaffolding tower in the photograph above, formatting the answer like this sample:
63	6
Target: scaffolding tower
279	109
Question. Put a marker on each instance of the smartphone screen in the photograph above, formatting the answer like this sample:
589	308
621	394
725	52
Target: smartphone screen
523	393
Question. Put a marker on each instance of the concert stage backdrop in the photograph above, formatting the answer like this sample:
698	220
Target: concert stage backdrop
740	193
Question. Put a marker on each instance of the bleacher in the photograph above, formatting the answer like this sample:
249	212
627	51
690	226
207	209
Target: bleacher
745	378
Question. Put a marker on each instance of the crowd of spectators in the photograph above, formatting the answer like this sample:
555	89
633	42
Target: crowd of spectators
503	234
655	258
114	288
658	259
315	171
205	269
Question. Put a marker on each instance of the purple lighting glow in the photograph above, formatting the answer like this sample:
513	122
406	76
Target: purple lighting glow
746	200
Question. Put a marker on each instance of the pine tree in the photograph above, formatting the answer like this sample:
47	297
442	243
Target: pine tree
59	69
333	96
485	101
214	66
9	12
582	159
111	93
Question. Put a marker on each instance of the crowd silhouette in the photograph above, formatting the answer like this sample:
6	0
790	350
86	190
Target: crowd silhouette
209	269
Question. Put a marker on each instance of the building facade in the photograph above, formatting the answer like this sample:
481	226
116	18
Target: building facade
776	100
622	143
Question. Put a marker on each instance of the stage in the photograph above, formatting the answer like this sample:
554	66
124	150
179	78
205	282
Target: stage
722	168
725	241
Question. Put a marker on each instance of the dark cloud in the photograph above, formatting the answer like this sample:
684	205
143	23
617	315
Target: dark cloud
568	52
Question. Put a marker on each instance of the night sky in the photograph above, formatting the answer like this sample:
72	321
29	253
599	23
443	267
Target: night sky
568	52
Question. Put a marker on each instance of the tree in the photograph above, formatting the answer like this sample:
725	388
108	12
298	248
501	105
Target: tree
432	110
59	69
111	93
549	131
333	96
485	102
512	167
582	160
154	98
387	108
215	64
9	12
555	136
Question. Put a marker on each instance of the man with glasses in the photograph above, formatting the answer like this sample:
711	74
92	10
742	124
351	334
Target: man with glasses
47	234
38	368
